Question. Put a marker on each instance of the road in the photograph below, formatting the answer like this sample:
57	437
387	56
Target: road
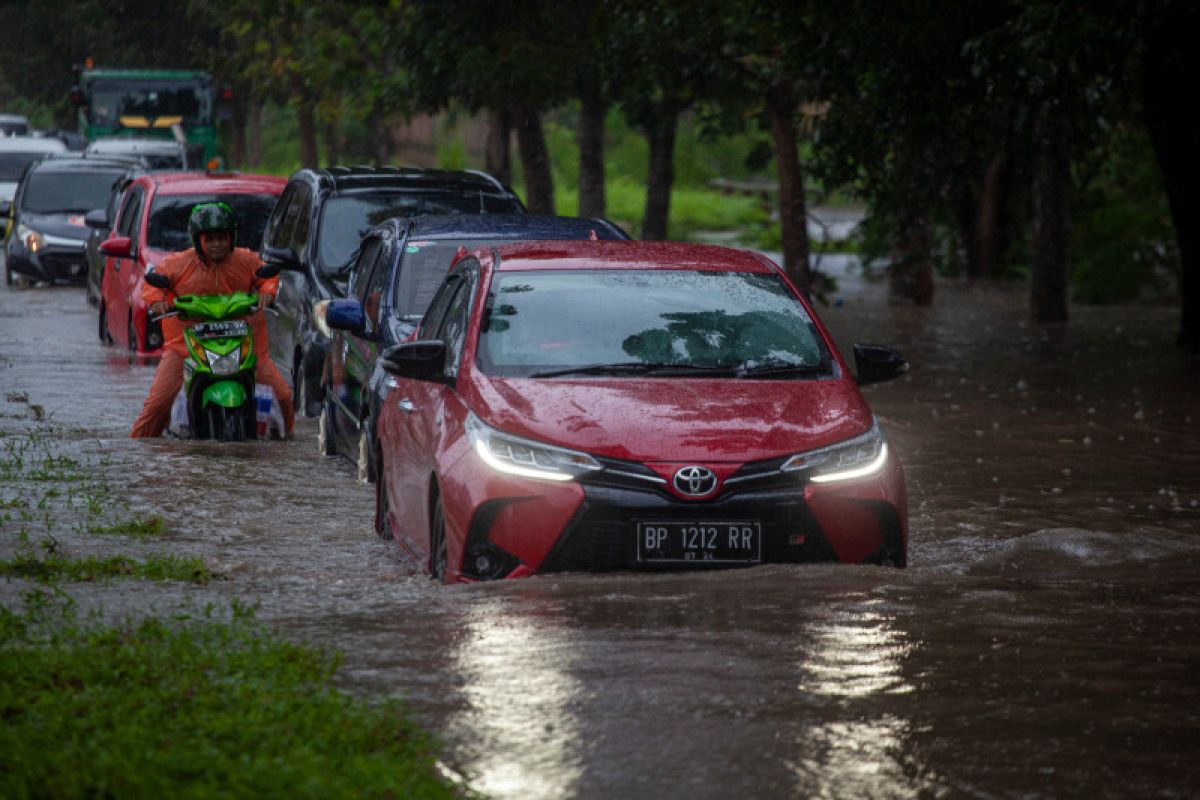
1042	643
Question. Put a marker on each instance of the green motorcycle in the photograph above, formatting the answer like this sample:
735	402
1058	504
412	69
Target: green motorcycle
220	399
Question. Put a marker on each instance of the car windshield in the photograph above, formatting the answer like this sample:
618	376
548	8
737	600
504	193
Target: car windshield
57	192
345	219
168	226
137	102
541	323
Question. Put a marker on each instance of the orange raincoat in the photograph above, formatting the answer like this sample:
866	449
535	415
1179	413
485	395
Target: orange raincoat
190	275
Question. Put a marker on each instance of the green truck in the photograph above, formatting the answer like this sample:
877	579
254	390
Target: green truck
166	103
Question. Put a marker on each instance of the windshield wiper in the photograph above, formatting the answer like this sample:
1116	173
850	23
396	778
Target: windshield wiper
782	369
634	368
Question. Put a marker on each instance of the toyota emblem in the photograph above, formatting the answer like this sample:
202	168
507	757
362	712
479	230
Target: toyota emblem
695	481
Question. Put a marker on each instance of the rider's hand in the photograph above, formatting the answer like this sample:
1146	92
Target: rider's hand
158	308
266	300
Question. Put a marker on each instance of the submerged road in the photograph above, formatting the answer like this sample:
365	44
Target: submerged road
1042	643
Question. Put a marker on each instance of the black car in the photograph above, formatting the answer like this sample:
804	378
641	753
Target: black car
400	265
314	234
49	233
100	223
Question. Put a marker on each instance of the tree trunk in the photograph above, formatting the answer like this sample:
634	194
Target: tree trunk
498	152
306	117
237	136
793	213
964	207
991	215
535	161
661	176
380	144
333	150
590	137
910	279
254	130
1051	215
1171	60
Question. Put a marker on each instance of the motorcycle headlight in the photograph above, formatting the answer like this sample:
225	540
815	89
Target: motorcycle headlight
859	457
318	315
516	456
32	240
224	364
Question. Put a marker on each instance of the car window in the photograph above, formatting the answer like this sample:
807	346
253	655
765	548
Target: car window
167	228
363	268
377	283
130	211
13	163
432	322
283	218
303	217
453	330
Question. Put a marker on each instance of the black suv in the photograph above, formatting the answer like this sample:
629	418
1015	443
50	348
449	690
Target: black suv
49	235
314	234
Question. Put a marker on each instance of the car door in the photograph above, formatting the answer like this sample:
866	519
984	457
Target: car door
118	271
426	405
283	326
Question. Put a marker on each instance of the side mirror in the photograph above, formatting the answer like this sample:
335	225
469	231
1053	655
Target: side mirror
268	271
96	219
876	363
284	257
117	247
423	360
157	280
346	315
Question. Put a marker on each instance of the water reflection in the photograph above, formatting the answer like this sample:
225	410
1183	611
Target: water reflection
516	678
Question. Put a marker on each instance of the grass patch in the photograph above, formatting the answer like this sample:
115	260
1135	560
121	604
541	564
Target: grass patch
137	527
193	708
52	567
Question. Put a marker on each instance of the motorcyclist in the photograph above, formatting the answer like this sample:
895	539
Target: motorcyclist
214	265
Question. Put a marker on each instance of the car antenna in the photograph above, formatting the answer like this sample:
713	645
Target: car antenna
481	208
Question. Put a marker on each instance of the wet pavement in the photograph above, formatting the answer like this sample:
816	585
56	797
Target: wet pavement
1043	642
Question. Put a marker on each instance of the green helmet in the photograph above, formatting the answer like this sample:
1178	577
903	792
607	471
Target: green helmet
209	217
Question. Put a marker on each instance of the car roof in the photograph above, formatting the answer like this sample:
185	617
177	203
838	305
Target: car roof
583	255
196	182
31	144
77	162
503	226
348	179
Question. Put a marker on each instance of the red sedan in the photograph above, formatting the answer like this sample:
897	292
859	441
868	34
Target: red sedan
631	405
151	224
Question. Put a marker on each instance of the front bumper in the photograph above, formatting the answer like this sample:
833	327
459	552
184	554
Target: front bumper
522	526
60	261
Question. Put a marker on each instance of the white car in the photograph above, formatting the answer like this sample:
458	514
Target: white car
157	153
15	153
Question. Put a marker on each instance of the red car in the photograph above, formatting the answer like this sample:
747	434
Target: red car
631	405
151	224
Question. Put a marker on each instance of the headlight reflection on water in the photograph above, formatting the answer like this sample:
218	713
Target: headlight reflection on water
519	685
860	746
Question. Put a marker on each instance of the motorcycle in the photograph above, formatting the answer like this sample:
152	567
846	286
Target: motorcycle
220	398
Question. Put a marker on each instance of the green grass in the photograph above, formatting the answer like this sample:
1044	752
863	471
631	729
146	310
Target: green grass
53	567
193	708
137	527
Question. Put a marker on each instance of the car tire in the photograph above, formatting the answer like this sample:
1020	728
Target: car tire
326	445
437	542
383	506
105	336
365	462
298	388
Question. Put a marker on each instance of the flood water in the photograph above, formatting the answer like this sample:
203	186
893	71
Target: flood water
1044	641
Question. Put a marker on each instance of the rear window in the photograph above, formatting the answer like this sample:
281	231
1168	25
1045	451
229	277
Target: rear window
345	219
169	213
57	192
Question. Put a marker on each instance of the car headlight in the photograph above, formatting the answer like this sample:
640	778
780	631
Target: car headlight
224	364
860	457
32	240
516	456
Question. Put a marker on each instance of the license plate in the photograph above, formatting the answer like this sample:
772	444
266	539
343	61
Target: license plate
220	330
736	542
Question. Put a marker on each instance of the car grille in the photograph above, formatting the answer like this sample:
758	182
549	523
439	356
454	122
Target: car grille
64	267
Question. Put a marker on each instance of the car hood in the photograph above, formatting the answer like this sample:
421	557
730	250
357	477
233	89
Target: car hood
674	420
68	226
